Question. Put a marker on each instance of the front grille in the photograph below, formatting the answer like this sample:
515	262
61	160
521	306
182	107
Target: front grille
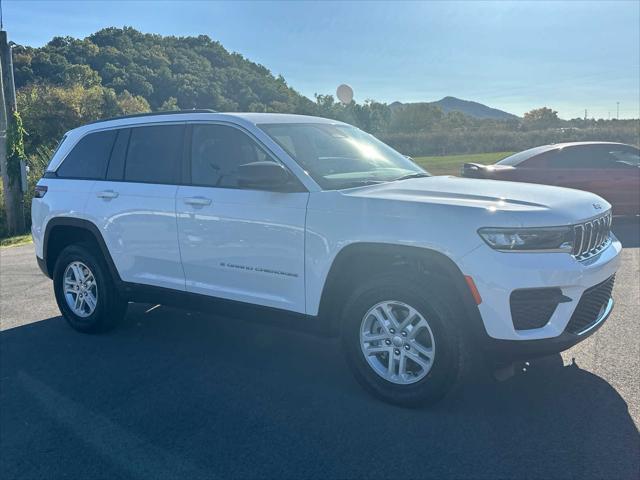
533	307
590	306
592	237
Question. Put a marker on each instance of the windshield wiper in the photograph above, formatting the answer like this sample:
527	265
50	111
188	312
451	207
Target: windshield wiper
362	183
412	175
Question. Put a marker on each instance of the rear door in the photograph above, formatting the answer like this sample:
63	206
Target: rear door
238	243
134	206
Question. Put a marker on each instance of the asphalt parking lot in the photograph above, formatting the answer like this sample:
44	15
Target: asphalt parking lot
173	394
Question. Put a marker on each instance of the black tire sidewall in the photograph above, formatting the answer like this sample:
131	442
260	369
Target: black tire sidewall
444	326
102	317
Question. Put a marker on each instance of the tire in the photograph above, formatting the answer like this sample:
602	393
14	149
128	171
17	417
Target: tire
424	383
108	308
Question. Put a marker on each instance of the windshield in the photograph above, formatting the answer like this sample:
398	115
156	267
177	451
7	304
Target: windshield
518	158
340	156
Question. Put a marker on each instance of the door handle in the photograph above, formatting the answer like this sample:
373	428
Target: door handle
197	201
107	194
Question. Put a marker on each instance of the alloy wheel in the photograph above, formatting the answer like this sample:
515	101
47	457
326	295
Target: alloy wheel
397	342
80	289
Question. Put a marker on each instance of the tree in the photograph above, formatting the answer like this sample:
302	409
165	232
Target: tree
541	118
416	117
50	111
197	71
170	103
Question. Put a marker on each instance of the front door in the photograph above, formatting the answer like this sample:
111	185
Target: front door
239	244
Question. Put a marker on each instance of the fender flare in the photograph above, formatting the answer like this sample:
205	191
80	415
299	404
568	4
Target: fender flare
413	253
83	224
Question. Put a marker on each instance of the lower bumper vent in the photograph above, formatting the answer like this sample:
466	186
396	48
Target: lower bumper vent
592	303
533	307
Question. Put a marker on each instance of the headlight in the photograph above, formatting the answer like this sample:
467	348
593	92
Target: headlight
559	239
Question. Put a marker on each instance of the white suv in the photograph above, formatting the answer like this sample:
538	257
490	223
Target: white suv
315	221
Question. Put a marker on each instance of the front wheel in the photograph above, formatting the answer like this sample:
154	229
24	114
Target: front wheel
85	292
402	340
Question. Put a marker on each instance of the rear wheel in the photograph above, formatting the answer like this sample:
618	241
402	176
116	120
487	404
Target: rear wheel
85	292
402	340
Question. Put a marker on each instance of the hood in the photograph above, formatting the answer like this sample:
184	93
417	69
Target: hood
532	204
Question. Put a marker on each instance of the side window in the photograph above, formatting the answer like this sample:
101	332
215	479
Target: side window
625	157
216	153
574	158
592	156
565	158
597	156
89	158
154	154
115	171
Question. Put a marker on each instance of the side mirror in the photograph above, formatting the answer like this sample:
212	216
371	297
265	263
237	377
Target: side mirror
263	176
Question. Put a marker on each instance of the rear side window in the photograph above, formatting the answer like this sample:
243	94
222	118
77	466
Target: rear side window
89	158
154	154
569	158
118	155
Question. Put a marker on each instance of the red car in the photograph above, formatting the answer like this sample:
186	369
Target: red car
611	170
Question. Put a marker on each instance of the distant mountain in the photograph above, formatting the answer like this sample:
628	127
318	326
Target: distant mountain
467	107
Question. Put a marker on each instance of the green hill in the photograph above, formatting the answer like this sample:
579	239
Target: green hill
184	72
466	107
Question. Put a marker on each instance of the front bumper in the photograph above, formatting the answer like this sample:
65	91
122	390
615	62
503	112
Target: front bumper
497	274
43	266
514	350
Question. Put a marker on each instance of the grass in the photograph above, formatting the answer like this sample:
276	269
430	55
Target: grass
451	164
15	241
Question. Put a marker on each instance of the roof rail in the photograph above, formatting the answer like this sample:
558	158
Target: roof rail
152	114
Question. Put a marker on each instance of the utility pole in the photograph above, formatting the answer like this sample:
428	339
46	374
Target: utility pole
12	187
617	110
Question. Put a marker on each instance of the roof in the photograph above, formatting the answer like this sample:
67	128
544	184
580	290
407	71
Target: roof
260	118
242	118
576	144
559	146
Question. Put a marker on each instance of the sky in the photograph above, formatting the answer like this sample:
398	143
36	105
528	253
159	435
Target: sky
515	56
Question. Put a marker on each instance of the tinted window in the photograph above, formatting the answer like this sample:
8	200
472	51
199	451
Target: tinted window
115	171
624	157
593	156
154	154
567	158
89	158
216	153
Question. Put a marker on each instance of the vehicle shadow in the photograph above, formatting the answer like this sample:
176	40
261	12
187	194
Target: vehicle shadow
627	229
172	394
